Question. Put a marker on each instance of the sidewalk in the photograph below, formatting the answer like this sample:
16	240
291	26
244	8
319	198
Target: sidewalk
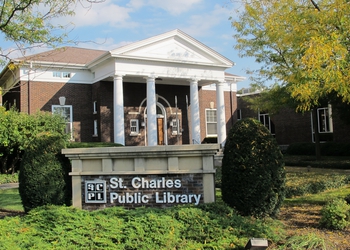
9	185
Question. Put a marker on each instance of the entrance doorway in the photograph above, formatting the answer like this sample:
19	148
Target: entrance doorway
162	138
160	131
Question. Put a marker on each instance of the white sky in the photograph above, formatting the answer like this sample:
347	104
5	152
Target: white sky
113	23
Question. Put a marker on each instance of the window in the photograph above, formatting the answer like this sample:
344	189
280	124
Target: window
239	114
56	74
175	129
264	118
134	127
66	75
211	122
66	112
95	107
325	123
95	128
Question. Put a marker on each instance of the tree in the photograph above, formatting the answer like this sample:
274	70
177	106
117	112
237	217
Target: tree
18	130
29	23
303	46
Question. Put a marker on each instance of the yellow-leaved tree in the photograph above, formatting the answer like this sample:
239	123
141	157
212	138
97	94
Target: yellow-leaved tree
303	45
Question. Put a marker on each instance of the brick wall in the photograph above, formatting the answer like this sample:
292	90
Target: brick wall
43	95
292	127
207	96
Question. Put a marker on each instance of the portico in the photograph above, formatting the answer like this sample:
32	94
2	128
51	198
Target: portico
173	58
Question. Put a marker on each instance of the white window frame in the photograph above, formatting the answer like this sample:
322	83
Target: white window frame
69	120
239	114
56	74
95	107
325	121
95	128
325	113
66	74
265	119
134	127
207	122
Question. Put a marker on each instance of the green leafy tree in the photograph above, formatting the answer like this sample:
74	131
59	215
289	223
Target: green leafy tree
30	23
303	46
18	130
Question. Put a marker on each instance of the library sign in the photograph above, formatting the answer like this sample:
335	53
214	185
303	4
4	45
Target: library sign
135	191
150	176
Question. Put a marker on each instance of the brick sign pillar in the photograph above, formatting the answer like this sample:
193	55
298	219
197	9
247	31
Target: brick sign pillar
155	176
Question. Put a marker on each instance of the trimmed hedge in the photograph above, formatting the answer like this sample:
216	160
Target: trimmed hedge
253	174
327	149
43	176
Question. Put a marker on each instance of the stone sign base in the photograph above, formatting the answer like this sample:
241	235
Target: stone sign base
158	176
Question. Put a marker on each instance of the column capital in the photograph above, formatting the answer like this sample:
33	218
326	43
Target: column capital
150	77
194	80
220	83
116	76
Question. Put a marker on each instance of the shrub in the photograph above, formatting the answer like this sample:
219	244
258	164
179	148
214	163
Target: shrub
8	178
347	199
327	149
253	175
43	177
312	183
335	215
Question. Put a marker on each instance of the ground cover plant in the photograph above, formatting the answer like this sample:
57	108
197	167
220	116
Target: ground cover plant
214	226
8	178
302	181
211	226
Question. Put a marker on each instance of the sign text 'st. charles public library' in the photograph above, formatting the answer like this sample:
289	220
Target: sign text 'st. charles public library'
159	176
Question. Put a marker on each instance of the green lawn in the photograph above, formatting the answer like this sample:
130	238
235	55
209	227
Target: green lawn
10	200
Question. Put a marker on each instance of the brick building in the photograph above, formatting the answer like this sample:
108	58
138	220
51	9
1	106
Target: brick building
290	127
164	90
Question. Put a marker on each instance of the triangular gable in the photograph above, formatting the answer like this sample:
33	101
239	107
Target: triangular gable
173	46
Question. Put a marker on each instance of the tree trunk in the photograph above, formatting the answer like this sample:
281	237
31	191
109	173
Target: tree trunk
316	134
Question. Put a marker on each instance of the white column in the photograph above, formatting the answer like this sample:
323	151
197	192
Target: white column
220	113
195	118
118	105
151	112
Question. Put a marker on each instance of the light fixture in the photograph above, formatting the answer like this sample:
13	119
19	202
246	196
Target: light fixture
62	100
257	244
211	104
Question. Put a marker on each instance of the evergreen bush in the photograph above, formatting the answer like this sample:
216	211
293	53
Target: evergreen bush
253	174
347	199
335	215
43	176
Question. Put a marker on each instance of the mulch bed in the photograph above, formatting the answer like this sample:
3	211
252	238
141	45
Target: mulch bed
4	213
304	219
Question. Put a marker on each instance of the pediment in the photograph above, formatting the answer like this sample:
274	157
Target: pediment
174	46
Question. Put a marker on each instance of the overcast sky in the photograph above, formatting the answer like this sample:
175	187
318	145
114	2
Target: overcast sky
113	23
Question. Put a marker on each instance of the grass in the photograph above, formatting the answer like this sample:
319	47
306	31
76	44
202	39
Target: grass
10	200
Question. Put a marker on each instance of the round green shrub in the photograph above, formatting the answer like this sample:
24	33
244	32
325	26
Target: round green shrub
335	215
347	199
43	176
253	174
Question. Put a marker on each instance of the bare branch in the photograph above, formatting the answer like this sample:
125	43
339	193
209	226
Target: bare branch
315	5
